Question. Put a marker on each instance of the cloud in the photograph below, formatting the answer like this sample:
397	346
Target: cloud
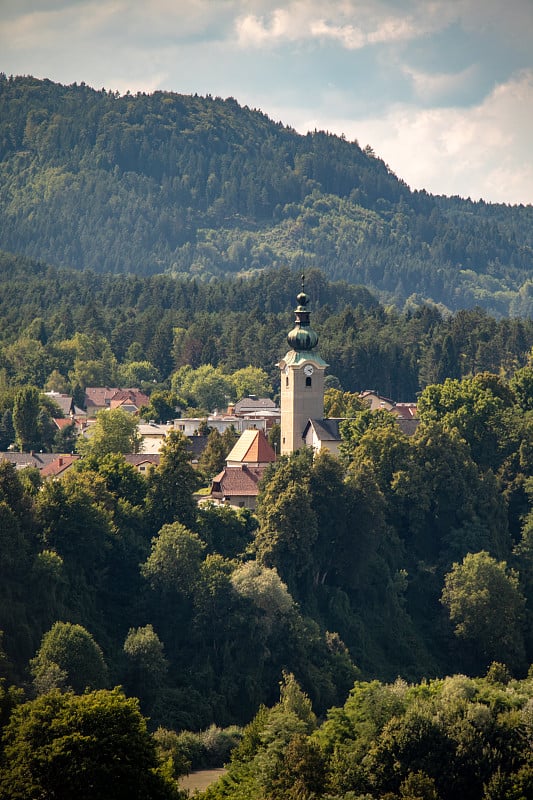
432	87
351	24
481	152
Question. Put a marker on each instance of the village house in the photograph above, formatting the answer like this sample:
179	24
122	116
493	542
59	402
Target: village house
238	483
99	398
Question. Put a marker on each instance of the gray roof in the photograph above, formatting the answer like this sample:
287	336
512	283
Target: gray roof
249	404
327	430
32	459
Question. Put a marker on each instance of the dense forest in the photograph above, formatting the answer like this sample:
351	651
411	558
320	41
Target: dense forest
200	186
63	330
156	241
407	556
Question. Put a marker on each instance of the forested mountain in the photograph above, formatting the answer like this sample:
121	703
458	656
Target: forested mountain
189	185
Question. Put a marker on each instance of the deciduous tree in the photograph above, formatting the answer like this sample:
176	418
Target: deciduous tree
64	745
486	605
78	658
115	431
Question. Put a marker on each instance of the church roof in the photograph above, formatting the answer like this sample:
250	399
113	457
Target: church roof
327	430
252	447
297	358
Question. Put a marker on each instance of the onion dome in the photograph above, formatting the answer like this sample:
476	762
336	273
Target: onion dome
302	337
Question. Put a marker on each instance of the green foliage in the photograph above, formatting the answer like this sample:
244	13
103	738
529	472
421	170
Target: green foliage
342	404
172	484
288	529
147	664
115	431
476	407
224	529
250	381
264	588
25	417
163	406
437	740
352	430
202	186
485	603
188	751
205	387
174	563
52	742
187	322
213	457
121	479
70	658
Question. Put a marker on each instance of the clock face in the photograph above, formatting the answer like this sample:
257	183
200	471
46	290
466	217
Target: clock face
308	369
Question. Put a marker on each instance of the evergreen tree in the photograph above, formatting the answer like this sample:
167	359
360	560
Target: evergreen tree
26	418
172	484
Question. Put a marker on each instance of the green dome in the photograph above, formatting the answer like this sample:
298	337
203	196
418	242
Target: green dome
302	337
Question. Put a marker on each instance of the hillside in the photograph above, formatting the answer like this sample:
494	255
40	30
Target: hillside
187	185
86	328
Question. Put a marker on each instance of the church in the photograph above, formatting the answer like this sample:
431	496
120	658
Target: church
302	417
302	388
302	393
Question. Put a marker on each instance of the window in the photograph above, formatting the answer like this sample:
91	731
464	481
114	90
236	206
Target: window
308	381
287	382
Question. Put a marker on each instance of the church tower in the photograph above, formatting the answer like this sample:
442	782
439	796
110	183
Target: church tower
302	379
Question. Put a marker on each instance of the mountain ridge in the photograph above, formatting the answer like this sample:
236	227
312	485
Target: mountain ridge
183	184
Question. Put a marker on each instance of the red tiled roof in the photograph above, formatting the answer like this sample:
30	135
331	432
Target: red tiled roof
130	395
238	481
99	396
405	410
58	466
62	423
252	447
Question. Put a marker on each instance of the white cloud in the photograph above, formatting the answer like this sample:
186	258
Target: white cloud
351	24
434	86
254	31
351	37
483	151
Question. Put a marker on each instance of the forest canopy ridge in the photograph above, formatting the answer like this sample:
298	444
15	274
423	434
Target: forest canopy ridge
201	186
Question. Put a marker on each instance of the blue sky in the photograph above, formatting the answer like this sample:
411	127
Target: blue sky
441	89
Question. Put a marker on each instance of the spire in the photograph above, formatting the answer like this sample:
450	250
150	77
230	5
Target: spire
302	337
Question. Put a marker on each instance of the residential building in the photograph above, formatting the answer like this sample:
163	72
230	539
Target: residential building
238	483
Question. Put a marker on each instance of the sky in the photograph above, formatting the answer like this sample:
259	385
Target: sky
442	90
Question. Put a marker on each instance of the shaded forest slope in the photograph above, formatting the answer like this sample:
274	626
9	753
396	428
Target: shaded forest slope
168	183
